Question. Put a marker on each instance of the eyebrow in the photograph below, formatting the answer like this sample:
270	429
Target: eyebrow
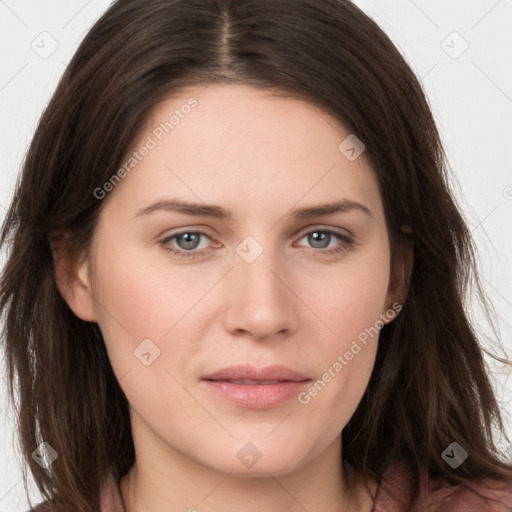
218	212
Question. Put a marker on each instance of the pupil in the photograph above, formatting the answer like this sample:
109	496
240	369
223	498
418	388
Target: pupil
190	240
319	236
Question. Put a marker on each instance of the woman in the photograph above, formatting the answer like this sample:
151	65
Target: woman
237	274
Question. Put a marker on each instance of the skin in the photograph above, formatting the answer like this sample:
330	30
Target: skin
260	156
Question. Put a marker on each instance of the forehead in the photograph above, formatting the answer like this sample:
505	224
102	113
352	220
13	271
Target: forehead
249	147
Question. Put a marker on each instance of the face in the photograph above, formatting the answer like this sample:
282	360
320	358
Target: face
181	294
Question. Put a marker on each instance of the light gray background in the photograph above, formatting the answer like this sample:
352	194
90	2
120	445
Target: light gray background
470	93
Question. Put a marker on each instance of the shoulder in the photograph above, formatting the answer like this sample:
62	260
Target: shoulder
476	495
396	494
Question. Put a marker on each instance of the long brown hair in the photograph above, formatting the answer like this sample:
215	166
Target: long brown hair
429	386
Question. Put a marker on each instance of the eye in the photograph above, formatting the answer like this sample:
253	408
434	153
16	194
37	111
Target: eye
321	238
188	243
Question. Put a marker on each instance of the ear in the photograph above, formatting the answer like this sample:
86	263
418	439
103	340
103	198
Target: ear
400	274
72	278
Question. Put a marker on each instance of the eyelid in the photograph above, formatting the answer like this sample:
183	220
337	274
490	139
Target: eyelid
318	227
345	243
201	228
300	233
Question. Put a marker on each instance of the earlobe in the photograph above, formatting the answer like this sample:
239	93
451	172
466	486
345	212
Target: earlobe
72	279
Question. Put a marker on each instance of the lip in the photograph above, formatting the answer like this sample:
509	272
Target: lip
247	371
267	387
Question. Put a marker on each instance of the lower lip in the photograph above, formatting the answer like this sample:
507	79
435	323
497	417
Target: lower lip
256	396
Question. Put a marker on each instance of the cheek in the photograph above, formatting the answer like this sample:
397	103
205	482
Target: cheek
144	298
140	303
136	302
350	303
351	297
346	358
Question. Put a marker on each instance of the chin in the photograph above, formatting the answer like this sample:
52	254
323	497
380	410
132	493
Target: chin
247	459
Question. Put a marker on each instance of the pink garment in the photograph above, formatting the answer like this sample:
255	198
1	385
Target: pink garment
395	494
483	495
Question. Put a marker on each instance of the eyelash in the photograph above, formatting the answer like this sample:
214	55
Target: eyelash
347	243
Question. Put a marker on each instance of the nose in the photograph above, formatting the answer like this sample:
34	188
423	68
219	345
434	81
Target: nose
259	297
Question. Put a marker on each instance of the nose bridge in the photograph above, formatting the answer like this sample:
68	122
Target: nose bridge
258	266
259	300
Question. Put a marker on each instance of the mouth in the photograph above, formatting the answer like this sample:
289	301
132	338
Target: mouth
252	382
248	373
256	388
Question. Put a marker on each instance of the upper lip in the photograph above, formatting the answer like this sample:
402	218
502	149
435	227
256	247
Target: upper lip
249	372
